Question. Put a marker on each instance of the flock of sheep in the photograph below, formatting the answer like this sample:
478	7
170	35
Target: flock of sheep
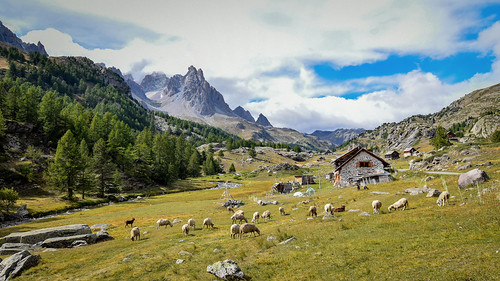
239	216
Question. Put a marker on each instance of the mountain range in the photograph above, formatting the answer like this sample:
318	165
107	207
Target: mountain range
9	37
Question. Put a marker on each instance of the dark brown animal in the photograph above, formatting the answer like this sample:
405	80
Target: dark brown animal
131	222
312	211
339	209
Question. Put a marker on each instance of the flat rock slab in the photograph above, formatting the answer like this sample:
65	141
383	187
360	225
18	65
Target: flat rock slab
13	248
65	242
39	235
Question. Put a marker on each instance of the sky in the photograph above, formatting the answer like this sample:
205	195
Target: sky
306	65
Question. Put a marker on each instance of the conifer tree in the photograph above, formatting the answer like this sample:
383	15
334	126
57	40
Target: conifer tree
102	166
64	169
84	181
2	125
232	169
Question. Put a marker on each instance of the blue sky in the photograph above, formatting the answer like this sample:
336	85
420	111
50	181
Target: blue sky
305	65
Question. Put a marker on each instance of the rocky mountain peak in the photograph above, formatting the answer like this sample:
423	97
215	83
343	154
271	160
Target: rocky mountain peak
154	82
9	37
262	120
245	114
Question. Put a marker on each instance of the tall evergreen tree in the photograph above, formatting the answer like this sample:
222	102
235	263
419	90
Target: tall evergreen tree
64	170
194	164
2	125
102	166
84	181
49	113
440	138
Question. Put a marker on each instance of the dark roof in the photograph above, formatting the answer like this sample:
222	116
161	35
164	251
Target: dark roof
353	153
392	152
339	161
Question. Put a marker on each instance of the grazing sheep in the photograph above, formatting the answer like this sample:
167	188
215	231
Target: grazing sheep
266	215
312	211
240	212
401	203
376	204
248	228
185	229
235	230
282	211
230	209
256	217
260	202
192	223
339	209
135	233
164	222
443	198
329	209
207	222
131	222
238	216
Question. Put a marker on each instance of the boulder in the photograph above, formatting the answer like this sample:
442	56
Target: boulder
226	270
472	177
465	167
15	264
102	236
433	193
417	190
22	211
12	248
65	242
34	236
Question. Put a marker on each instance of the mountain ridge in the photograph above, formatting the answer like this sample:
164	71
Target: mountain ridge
7	36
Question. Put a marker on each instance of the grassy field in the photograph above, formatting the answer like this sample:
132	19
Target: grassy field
426	242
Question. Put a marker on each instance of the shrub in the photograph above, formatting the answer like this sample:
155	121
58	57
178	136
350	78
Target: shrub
495	137
8	198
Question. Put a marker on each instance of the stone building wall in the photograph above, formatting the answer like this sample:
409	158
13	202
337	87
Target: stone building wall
351	170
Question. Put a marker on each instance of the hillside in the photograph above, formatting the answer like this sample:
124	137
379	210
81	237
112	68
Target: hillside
476	115
338	136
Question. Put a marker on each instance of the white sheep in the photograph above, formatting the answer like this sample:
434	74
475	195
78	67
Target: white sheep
135	233
282	211
312	211
185	229
443	198
248	228
260	202
376	204
208	223
235	230
401	203
164	222
240	212
329	209
256	217
238	216
192	223
266	215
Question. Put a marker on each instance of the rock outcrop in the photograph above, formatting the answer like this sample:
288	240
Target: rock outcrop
245	114
40	235
14	265
9	37
262	120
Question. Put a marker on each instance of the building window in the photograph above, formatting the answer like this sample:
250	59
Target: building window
365	164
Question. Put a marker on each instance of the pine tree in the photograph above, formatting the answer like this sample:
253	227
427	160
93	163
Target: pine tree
102	166
2	125
194	164
440	138
64	169
49	113
84	181
252	153
232	169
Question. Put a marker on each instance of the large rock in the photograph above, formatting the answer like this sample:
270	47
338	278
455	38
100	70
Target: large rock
417	190
103	236
22	211
433	193
65	242
39	235
226	270
12	248
15	264
472	177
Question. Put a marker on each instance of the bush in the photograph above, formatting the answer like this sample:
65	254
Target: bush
8	198
495	137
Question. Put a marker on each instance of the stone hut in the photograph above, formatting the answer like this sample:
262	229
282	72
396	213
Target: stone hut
410	151
360	165
391	155
304	179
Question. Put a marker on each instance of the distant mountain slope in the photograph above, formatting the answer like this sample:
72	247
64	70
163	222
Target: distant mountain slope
338	136
477	114
9	37
191	97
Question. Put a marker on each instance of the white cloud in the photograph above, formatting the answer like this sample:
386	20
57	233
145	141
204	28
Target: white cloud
238	44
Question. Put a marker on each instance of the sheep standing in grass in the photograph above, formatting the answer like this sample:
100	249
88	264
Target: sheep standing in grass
401	203
376	204
329	209
238	217
208	223
256	217
130	222
260	202
240	212
135	233
185	229
164	222
230	209
266	215
235	230
282	211
248	228
192	223
312	211
443	198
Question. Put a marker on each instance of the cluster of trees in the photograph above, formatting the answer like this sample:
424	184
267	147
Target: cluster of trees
101	136
440	138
